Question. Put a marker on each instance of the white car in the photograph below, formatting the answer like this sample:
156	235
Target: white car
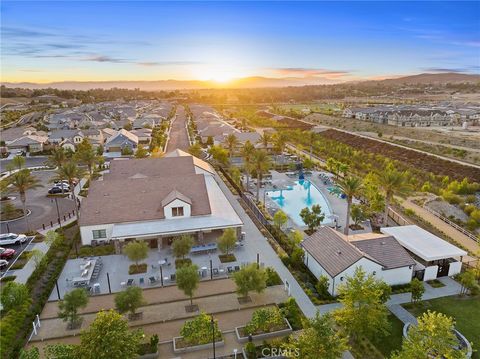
3	263
12	238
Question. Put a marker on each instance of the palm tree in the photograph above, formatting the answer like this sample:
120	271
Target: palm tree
248	151
70	171
261	164
22	181
351	186
265	139
88	158
231	142
280	143
17	163
57	158
391	181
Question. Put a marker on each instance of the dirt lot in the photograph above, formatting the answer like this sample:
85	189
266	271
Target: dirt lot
413	158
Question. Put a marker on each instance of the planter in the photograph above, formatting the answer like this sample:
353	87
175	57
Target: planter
149	356
263	336
194	348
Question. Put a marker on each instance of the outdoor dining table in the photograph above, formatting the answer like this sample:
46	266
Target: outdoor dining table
83	280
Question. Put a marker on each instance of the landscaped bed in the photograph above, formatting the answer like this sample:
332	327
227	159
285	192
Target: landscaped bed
464	310
227	258
136	269
435	283
265	323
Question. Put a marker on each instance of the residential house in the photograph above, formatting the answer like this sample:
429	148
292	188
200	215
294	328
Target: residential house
28	143
121	140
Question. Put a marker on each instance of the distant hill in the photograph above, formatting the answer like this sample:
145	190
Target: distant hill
439	78
246	82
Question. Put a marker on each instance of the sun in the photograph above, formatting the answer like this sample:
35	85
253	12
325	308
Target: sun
220	76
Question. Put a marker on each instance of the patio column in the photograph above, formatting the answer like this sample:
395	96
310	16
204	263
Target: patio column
159	243
118	247
200	236
239	233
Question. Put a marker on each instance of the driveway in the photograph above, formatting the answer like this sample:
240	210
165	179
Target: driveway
43	209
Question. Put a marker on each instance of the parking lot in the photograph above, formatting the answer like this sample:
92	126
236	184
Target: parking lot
19	248
43	209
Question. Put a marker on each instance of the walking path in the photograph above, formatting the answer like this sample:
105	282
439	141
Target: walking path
450	231
401	313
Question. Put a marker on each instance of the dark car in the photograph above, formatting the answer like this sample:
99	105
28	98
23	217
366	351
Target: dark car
57	190
6	253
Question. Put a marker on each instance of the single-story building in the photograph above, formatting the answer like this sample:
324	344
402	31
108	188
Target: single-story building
29	143
156	200
329	253
121	140
433	256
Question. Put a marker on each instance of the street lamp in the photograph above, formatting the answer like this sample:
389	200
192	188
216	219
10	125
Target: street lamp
235	353
212	322
58	212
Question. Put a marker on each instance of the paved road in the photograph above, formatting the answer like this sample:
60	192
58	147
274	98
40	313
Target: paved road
178	133
43	209
34	161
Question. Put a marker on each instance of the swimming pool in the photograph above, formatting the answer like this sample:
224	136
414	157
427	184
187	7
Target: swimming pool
295	198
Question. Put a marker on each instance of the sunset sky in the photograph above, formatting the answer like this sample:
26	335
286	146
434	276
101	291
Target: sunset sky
132	40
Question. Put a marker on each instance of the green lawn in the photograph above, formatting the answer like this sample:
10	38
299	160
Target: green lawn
393	341
465	311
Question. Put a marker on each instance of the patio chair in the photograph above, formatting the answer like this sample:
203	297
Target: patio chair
215	271
94	243
152	280
130	282
229	269
173	277
237	268
142	281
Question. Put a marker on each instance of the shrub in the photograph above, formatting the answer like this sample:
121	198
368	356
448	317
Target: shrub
199	330
265	320
272	277
292	312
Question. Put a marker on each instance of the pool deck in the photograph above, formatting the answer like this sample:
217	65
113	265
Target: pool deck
338	206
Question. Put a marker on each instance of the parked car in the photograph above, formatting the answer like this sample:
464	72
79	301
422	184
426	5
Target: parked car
12	238
57	190
75	181
66	187
3	263
6	253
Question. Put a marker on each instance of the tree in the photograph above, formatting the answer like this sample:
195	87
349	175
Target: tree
210	141
312	217
248	278
280	142
187	280
363	311
32	353
432	337
227	240
199	330
129	300
57	158
36	255
261	164
14	294
391	181
280	219
319	339
141	152
100	150
322	287
351	186
182	246
136	251
23	181
358	214
127	151
417	289
236	175
296	236
469	282
195	150
71	303
265	139
108	337
71	172
86	155
17	163
60	351
231	141
219	154
248	151
308	164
